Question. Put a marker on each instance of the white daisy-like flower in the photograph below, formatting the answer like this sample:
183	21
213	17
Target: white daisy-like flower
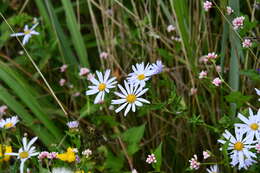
213	169
9	122
140	74
240	148
157	67
73	124
101	86
130	97
257	92
251	124
61	170
27	33
26	152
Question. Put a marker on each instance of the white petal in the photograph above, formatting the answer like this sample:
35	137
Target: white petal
17	34
100	76
118	101
107	74
120	95
127	109
98	98
91	92
32	141
121	107
143	100
122	89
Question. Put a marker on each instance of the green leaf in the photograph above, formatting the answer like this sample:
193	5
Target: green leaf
158	156
238	98
133	136
252	74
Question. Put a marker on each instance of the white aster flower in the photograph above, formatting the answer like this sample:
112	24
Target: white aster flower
61	170
101	86
240	148
157	67
130	97
257	92
213	169
251	124
140	74
73	124
9	122
27	33
26	152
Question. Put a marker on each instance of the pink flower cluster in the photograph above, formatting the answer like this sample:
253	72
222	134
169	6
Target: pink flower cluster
207	5
84	71
247	43
194	163
103	55
217	81
238	22
151	159
229	10
206	154
3	109
203	74
47	155
63	68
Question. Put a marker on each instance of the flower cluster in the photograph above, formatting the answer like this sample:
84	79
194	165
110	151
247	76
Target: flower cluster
245	139
9	122
151	159
194	163
207	5
131	92
238	22
47	155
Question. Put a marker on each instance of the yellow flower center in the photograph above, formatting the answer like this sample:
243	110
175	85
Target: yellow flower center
131	98
24	155
101	87
27	32
141	77
254	126
8	125
239	146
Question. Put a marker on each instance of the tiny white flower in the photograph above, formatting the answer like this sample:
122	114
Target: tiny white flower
171	28
140	74
101	86
151	159
27	33
9	122
134	171
213	169
26	152
87	153
240	147
251	124
130	97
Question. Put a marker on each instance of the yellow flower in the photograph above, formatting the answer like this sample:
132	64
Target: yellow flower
3	150
69	156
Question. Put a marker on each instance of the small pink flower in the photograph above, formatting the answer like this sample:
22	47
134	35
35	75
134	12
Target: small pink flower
218	68
63	68
207	5
193	91
84	71
151	159
206	154
217	81
194	164
257	147
212	55
43	155
238	22
76	94
3	109
247	43
103	55
171	28
229	10
178	39
62	82
52	155
203	74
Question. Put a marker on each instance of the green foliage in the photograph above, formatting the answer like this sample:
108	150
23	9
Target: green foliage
238	98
